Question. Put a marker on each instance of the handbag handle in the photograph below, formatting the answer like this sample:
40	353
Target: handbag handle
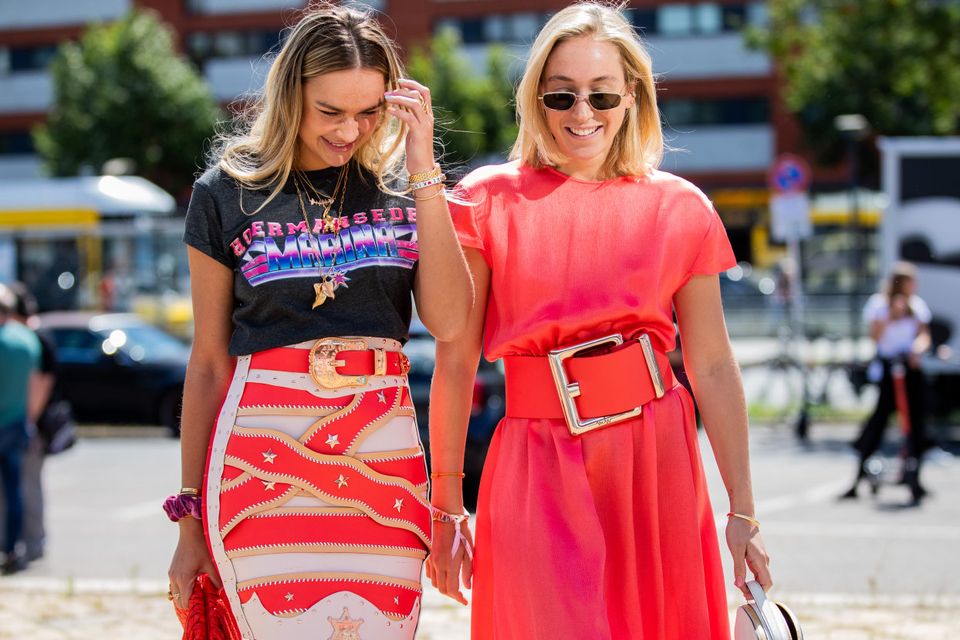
770	617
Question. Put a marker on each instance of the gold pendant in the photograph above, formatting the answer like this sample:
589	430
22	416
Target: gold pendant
324	290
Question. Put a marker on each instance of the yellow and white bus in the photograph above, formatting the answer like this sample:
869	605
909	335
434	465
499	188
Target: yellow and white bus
95	242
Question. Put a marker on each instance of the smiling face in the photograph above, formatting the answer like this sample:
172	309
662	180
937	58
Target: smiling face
341	110
584	135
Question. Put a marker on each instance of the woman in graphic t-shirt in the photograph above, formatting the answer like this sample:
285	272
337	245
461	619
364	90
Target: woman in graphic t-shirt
593	519
304	484
898	320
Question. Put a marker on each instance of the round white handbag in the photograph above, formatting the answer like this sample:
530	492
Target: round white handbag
763	619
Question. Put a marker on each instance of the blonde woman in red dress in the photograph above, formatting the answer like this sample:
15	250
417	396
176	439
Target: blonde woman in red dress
593	518
304	484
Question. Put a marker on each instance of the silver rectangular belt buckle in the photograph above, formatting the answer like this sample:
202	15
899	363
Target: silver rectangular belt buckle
569	390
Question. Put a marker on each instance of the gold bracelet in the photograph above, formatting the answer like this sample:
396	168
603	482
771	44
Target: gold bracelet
189	491
435	172
444	474
749	519
439	193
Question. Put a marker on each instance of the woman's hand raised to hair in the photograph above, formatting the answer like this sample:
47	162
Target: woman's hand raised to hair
412	105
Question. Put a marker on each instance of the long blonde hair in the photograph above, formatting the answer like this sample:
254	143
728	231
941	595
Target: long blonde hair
327	38
638	146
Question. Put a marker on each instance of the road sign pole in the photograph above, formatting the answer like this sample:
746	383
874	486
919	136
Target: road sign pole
790	213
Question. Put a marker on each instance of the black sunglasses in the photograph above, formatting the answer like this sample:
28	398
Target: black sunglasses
563	100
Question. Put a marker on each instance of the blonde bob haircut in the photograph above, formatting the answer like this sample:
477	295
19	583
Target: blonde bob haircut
638	147
327	38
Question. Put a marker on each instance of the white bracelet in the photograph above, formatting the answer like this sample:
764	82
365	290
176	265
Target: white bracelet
429	182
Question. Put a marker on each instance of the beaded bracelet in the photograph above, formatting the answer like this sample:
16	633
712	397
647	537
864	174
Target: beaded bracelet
749	519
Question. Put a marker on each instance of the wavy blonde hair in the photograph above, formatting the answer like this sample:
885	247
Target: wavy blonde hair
638	147
327	38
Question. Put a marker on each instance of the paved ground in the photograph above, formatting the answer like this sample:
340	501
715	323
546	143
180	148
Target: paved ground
57	611
870	570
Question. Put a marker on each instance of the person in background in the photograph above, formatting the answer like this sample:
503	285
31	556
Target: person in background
899	324
34	531
20	355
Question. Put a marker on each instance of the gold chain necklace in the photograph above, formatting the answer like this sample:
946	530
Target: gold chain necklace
333	278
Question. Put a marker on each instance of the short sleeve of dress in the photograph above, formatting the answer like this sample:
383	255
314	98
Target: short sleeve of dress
714	253
202	229
465	206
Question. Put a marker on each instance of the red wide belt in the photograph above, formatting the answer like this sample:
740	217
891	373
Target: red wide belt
600	389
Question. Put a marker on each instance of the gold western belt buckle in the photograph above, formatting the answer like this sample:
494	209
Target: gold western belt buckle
568	390
324	362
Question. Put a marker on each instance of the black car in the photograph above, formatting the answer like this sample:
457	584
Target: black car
487	408
115	367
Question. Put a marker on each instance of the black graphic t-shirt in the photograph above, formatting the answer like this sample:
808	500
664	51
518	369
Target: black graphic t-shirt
369	262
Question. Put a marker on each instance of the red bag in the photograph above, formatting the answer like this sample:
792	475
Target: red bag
208	615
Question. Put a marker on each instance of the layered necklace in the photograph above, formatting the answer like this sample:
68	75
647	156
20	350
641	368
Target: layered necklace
330	279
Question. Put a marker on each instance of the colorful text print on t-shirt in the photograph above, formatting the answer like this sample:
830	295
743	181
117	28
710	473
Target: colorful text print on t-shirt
275	251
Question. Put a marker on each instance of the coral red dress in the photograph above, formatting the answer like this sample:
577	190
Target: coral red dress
607	535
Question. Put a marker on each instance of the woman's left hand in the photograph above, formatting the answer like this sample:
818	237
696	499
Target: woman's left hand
411	103
747	549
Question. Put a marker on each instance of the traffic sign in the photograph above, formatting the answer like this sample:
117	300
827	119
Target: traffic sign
789	174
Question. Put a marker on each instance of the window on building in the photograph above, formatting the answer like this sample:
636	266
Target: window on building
523	27
14	59
701	18
675	20
690	112
708	18
757	14
203	46
645	20
734	18
510	28
472	30
14	143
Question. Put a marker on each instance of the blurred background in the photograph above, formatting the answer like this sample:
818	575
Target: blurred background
107	107
825	133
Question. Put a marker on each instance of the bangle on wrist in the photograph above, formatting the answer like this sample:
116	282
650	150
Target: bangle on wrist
419	198
747	518
188	491
444	474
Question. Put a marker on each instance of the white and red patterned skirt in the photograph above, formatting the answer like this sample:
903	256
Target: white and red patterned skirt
315	503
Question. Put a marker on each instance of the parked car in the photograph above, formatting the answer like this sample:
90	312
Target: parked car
114	367
486	410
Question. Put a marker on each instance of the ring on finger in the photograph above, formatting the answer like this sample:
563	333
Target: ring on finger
423	103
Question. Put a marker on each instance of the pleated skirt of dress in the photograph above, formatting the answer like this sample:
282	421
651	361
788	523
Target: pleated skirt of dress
316	503
607	536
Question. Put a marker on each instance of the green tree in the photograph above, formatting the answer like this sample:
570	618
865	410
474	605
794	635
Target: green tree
475	113
122	91
897	62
